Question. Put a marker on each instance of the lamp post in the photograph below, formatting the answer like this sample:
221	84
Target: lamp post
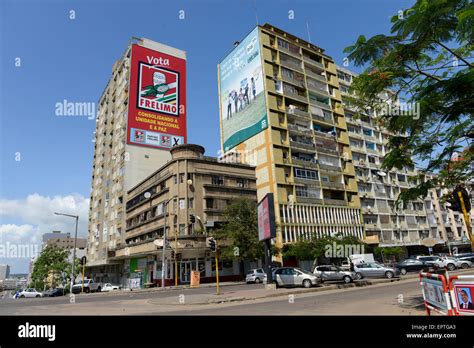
74	251
165	208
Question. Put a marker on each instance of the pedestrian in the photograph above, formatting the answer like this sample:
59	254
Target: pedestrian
241	100
351	266
246	94
235	99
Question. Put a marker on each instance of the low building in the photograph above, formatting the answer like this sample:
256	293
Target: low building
189	184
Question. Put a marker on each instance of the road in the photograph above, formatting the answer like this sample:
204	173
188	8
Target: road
397	298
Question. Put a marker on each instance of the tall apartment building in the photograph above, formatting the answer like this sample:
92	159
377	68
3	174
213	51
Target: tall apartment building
281	109
4	271
412	225
137	115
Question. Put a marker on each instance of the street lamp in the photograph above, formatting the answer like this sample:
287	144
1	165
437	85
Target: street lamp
165	208
74	251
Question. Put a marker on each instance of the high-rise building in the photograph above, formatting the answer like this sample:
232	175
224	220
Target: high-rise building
412	225
281	109
141	115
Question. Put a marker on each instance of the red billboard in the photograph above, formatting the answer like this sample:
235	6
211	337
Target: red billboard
157	99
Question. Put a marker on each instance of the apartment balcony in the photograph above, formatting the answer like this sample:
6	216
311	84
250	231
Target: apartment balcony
367	210
324	149
297	112
304	163
372	151
309	200
333	185
373	165
305	181
291	65
355	135
330	167
339	202
320	91
366	194
328	120
296	82
299	145
295	96
380	194
300	130
372	226
289	52
316	76
313	62
321	104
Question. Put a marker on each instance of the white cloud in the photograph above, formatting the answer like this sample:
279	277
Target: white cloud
36	213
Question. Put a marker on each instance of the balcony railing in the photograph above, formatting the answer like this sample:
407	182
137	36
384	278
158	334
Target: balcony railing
332	184
300	129
331	167
326	149
294	81
304	163
290	64
296	96
316	76
298	112
306	181
320	104
313	62
300	145
310	200
330	201
323	119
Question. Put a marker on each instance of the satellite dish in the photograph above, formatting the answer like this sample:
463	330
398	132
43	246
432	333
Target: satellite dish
381	173
147	195
158	242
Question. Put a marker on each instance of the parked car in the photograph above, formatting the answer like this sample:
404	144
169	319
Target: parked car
433	260
466	258
292	276
413	265
109	287
54	292
29	293
332	272
374	270
451	263
255	276
89	286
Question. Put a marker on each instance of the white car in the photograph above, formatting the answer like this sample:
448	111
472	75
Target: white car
453	262
29	293
109	287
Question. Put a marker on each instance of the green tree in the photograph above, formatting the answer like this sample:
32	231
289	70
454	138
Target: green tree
427	60
389	252
52	262
238	237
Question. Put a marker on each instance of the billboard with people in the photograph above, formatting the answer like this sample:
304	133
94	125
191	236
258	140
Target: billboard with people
157	99
242	97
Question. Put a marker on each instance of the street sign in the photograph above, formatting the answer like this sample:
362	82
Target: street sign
266	218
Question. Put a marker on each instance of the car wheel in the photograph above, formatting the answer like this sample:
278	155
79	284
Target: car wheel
99	289
451	266
37	296
22	296
389	274
86	290
347	279
464	266
307	283
403	271
359	276
257	280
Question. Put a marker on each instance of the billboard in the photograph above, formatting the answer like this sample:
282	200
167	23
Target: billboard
241	88
157	99
266	218
433	293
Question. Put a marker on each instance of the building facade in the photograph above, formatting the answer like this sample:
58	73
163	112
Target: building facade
4	271
303	156
189	184
117	164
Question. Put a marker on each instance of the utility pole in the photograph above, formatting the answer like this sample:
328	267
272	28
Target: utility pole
218	291
75	244
466	218
165	208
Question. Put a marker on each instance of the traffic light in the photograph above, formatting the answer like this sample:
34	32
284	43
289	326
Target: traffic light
455	202
172	254
211	244
192	218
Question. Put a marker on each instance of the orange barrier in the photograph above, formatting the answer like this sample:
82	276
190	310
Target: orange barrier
436	293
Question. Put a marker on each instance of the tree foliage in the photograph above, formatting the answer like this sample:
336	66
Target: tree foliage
239	234
52	263
427	60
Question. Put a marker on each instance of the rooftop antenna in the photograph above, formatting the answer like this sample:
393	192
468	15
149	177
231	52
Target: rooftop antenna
307	28
255	10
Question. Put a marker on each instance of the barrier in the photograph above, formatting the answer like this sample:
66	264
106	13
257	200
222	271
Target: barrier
436	295
461	288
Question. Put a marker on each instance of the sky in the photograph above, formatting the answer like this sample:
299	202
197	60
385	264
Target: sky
47	56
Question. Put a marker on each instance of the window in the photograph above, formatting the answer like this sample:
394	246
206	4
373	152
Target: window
175	179
181	178
242	182
306	174
209	203
218	180
190	203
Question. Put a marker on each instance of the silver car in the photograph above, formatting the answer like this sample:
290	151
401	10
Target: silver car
374	270
255	276
291	276
332	272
